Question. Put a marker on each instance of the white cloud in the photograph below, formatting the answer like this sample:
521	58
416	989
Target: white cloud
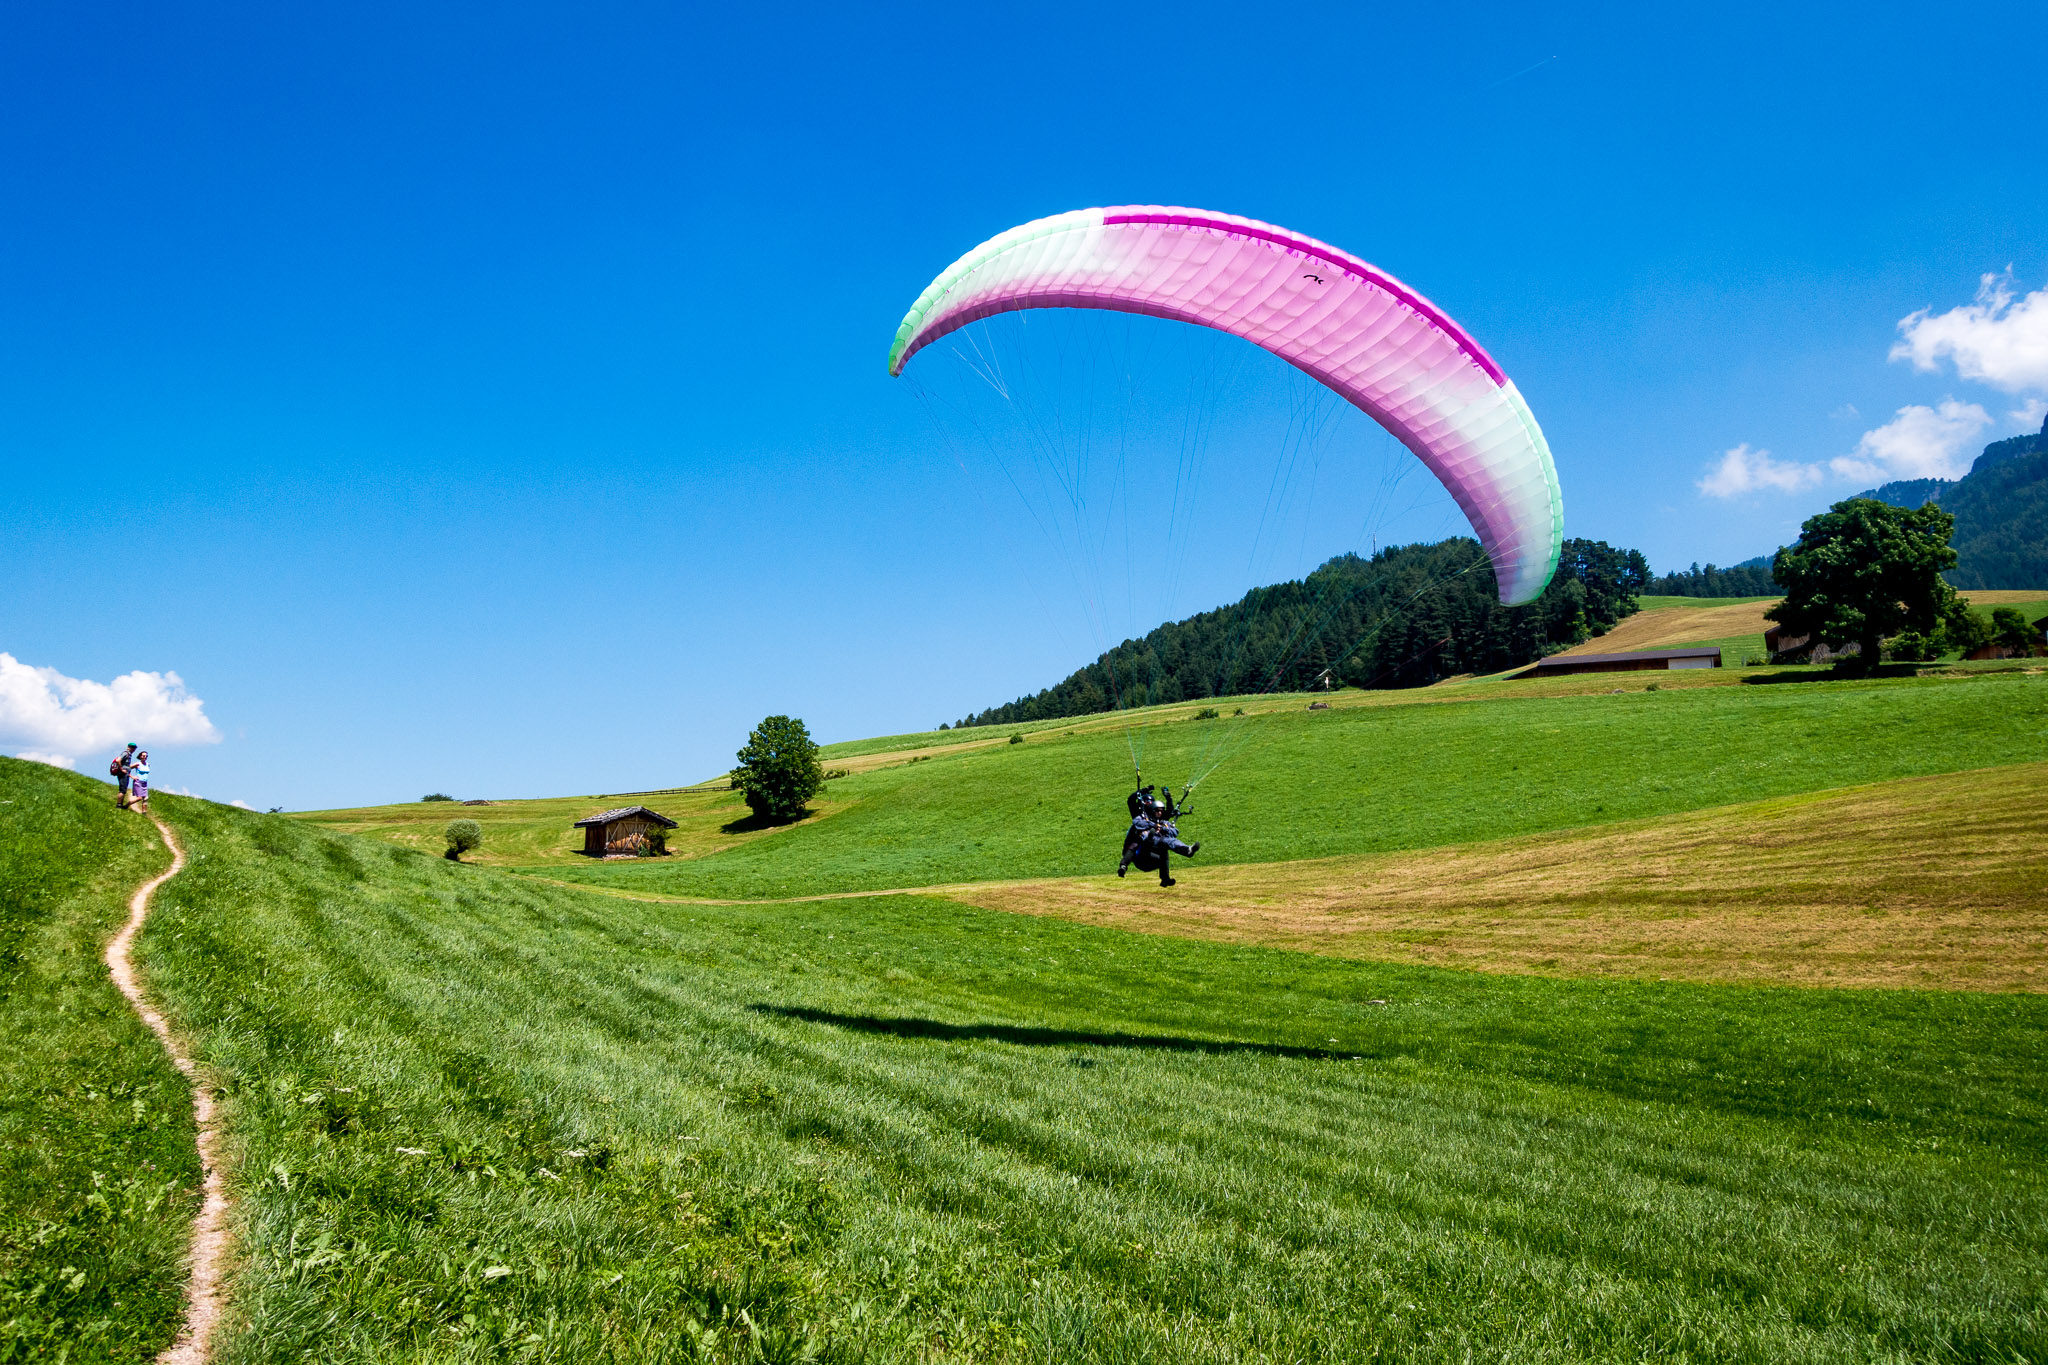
43	756
2030	414
59	719
243	804
1997	340
1743	470
1918	443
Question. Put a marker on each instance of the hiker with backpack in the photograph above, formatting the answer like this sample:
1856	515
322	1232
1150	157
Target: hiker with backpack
118	770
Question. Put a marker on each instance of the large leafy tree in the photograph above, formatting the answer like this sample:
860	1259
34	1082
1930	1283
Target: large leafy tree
1863	570
779	769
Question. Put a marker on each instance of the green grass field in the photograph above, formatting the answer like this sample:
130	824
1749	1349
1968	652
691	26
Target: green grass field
475	1113
1368	779
98	1176
477	1117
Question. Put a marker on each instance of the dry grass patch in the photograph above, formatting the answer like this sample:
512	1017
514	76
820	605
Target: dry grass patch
1931	882
1671	626
984	738
2004	597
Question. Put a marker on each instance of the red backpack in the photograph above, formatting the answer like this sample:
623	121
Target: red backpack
114	768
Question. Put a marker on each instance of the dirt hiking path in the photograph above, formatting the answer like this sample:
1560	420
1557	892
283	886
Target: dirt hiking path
209	1229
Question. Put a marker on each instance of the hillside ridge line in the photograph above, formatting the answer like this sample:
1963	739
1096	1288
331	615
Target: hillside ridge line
209	1225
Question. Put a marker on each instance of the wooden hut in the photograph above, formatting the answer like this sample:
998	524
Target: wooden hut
625	830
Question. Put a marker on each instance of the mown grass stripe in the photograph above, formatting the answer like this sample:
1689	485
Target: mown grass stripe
1525	1168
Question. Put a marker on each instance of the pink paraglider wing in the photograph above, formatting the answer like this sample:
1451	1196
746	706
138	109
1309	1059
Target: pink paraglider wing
1356	329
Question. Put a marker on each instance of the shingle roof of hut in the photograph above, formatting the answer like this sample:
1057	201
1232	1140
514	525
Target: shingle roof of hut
605	817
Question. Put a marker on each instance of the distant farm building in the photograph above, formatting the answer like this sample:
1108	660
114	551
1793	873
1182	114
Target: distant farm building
1557	665
1787	648
2000	651
1997	651
629	829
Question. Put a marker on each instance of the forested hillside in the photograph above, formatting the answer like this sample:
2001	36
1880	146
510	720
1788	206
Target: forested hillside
1406	617
1750	578
1909	492
2001	512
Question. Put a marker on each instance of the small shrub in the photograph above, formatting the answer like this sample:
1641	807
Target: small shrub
1755	660
2010	627
1653	687
1016	739
1238	712
1207	713
436	796
463	835
831	773
1911	646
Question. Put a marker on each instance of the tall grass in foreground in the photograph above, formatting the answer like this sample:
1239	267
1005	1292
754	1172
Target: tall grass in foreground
98	1176
476	1118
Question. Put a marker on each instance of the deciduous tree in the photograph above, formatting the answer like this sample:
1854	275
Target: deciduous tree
2011	628
779	769
1964	631
463	835
1863	570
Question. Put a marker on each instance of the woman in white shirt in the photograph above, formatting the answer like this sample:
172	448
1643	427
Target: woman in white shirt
138	783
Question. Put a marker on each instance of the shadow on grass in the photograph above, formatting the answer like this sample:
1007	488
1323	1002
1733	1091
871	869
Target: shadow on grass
1839	674
1041	1037
1790	678
750	823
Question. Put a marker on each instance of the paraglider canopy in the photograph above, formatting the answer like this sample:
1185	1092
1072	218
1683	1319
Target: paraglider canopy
1352	327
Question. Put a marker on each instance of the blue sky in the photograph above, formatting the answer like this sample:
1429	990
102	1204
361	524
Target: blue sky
495	402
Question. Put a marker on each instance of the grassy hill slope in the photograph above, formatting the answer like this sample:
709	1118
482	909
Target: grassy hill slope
98	1176
1737	627
1368	779
475	1116
1740	623
1930	882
